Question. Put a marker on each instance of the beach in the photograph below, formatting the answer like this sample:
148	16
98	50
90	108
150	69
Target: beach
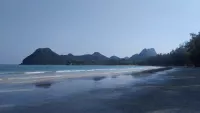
170	91
56	75
99	56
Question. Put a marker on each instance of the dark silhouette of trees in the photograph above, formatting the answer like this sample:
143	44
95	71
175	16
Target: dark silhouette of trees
193	47
187	54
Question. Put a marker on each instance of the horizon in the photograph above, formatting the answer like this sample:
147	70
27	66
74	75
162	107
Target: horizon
111	27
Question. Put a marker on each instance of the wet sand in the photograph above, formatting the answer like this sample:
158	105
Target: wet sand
172	91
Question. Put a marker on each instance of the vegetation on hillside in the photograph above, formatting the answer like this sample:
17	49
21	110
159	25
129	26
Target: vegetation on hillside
187	54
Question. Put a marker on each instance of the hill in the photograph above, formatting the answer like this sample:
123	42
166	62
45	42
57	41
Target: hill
45	56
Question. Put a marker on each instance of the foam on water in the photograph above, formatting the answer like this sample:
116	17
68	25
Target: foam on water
66	71
15	90
6	73
34	77
63	71
35	72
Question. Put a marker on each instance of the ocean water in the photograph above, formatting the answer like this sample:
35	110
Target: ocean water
6	70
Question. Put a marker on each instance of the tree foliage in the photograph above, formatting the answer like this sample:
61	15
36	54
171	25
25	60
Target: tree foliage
186	54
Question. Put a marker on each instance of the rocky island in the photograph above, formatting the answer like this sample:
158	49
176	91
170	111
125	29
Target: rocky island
45	56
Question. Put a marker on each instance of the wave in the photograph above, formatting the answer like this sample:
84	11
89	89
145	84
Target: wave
35	72
66	71
6	73
15	90
63	71
26	73
89	70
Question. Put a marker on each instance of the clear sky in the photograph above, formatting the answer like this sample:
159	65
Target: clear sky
111	27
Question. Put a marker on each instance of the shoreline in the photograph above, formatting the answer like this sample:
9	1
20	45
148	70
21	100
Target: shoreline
56	77
48	83
154	70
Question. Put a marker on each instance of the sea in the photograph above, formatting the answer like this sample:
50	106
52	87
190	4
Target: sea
13	70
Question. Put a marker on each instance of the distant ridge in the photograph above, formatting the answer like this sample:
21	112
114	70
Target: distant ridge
114	57
148	52
144	54
45	56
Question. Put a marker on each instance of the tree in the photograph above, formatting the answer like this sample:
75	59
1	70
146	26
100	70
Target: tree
193	47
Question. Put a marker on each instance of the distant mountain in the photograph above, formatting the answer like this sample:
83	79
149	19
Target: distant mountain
126	58
98	56
148	52
114	58
135	56
45	56
144	54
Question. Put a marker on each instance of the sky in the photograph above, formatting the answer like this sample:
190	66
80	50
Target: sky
111	27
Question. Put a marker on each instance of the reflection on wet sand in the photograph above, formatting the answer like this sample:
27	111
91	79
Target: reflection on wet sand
44	84
98	78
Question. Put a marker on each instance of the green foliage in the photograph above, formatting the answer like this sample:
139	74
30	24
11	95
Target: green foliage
193	47
186	54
